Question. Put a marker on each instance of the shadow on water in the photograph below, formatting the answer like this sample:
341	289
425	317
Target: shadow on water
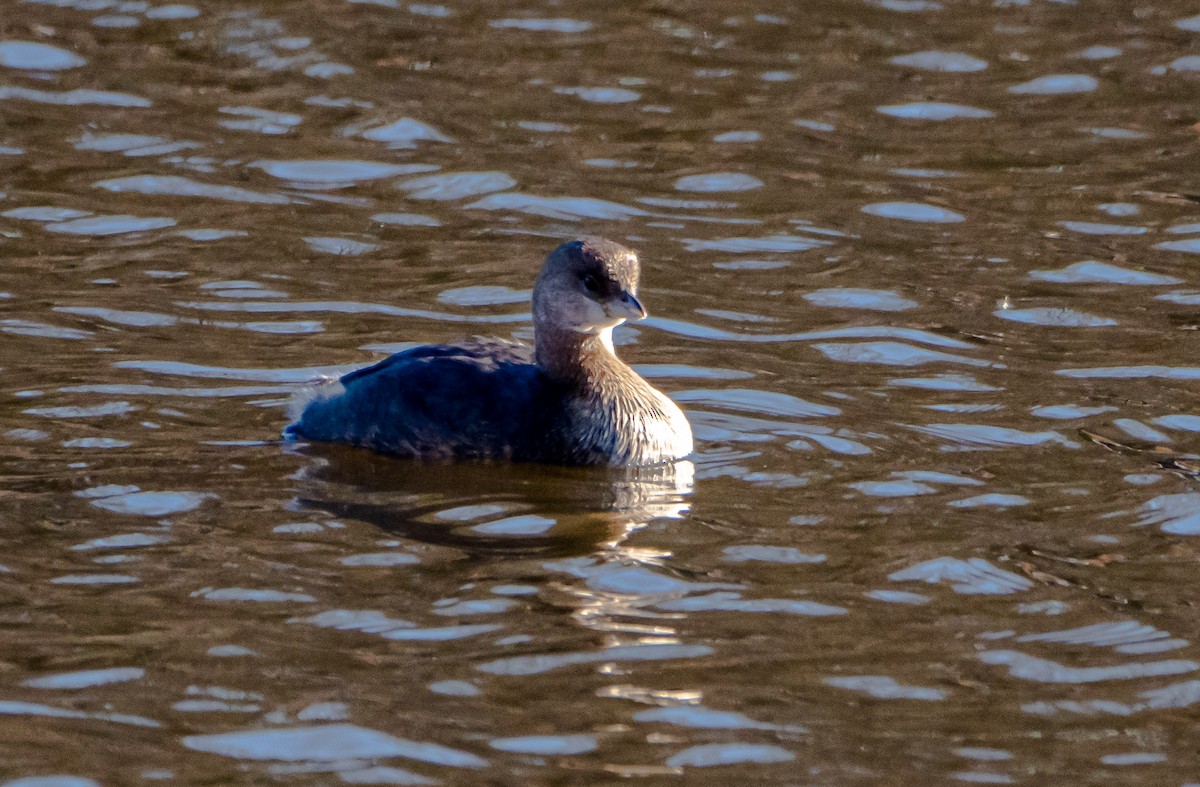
493	508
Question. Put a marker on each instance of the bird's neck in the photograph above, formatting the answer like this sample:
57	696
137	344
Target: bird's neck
576	358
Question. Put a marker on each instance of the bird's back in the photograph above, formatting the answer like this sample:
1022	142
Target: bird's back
478	400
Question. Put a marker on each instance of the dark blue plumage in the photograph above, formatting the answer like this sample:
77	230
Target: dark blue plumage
477	400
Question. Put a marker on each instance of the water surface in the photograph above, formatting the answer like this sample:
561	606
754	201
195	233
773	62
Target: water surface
922	275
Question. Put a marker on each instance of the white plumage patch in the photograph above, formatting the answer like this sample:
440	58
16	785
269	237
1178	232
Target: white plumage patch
321	391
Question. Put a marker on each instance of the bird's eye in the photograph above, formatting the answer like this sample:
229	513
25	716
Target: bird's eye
591	284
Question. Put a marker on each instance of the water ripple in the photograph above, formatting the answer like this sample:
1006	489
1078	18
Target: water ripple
78	97
974	576
718	181
538	664
565	208
777	244
1026	667
1056	317
885	688
712	754
858	298
45	213
699	717
601	95
457	185
330	742
550	745
402	133
36	56
539	25
1091	271
310	173
87	678
727	601
1135	372
934	110
345	307
697	331
1178	514
767	402
1057	84
110	225
988	436
176	186
185	369
15	708
913	211
1126	636
938	60
892	354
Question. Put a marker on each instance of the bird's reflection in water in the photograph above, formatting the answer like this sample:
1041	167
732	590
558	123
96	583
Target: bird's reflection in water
494	507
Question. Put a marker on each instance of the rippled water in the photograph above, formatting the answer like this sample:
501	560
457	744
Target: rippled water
923	275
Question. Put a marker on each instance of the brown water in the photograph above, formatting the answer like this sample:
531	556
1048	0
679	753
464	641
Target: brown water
933	317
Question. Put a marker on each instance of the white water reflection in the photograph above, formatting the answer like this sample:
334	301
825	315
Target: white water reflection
77	97
973	577
457	185
892	354
1026	667
1057	84
329	742
991	500
766	402
859	298
402	133
1127	636
37	56
885	688
939	60
934	110
1091	271
100	226
1057	317
777	244
131	145
17	708
543	25
559	745
700	717
769	554
565	208
539	664
342	247
601	95
713	754
988	436
86	678
728	601
1178	513
913	211
260	121
1188	245
335	173
176	186
253	595
718	181
1102	228
45	213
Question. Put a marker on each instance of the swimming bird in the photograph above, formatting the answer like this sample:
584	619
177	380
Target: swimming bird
567	400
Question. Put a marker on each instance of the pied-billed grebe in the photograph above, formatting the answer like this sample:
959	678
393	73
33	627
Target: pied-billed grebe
568	400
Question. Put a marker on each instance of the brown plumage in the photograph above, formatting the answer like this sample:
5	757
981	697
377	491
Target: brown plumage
570	400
